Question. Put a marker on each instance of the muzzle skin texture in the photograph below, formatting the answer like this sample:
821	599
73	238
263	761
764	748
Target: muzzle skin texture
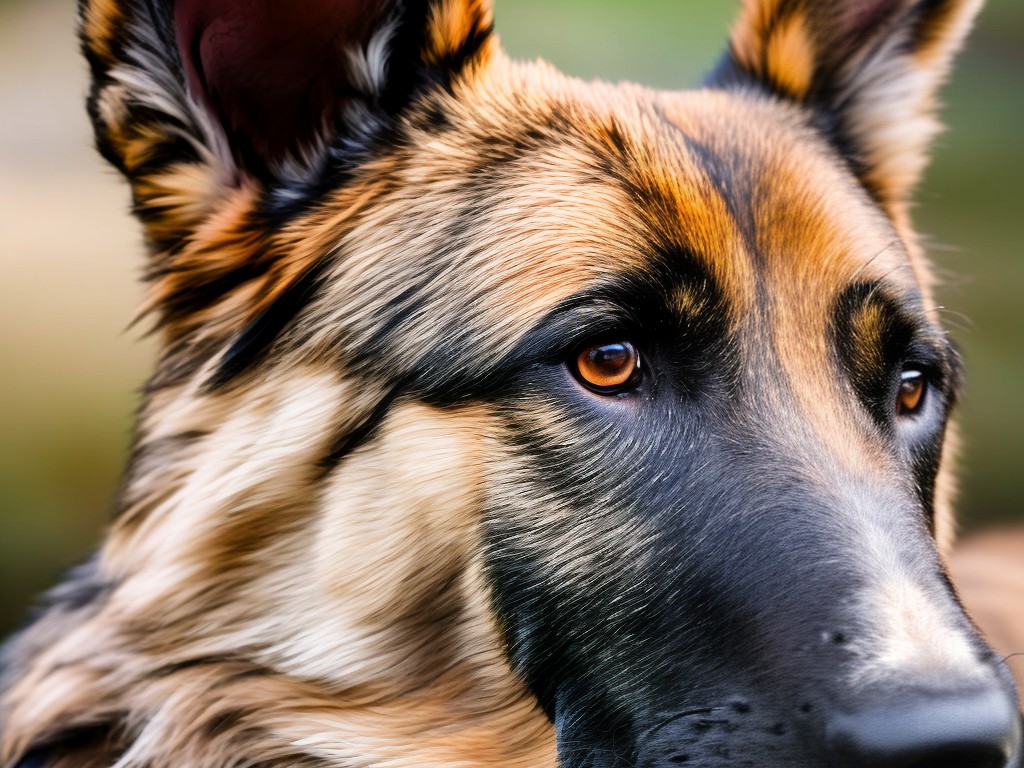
773	640
727	591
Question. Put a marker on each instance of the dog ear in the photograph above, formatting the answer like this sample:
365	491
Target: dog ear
869	70
228	117
191	97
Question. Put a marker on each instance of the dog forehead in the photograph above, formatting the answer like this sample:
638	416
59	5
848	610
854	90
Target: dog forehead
793	197
503	202
738	180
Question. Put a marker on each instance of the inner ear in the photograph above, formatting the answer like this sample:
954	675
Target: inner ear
270	76
280	79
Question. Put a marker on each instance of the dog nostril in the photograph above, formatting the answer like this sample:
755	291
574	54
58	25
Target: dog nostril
980	730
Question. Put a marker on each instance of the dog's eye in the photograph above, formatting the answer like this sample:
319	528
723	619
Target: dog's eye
608	368
911	395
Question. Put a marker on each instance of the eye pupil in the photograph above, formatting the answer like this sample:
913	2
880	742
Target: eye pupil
607	368
609	358
911	393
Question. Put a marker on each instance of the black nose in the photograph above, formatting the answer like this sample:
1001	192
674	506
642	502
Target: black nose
978	730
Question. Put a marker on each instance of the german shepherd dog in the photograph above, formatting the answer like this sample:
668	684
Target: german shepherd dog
503	419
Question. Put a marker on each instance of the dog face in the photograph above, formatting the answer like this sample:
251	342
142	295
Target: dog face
490	400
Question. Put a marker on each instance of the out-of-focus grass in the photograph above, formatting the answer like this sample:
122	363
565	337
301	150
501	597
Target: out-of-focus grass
69	255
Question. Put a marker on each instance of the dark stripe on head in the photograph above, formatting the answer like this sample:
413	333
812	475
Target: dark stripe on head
253	342
829	123
349	440
735	185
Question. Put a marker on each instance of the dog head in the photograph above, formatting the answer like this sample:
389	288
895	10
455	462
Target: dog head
482	387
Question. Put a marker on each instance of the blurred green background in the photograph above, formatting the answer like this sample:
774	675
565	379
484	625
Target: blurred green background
70	256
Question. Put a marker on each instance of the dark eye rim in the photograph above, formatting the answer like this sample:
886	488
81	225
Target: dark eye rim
627	387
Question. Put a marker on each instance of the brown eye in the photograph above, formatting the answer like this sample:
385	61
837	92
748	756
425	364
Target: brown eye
608	368
911	394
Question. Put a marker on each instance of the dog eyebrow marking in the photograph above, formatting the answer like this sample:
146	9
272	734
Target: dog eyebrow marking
874	331
676	283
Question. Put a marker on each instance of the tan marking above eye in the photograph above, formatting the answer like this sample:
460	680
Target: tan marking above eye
911	393
608	367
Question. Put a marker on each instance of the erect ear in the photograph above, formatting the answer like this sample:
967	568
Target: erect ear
229	116
191	97
869	69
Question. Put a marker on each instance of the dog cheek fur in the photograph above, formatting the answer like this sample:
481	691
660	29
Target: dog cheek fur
383	557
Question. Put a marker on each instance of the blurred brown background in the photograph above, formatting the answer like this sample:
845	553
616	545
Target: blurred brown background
70	256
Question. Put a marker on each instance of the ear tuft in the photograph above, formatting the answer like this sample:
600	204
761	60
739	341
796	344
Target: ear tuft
869	69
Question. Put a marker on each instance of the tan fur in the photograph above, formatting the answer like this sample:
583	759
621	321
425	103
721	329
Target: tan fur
454	21
409	584
790	56
268	606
